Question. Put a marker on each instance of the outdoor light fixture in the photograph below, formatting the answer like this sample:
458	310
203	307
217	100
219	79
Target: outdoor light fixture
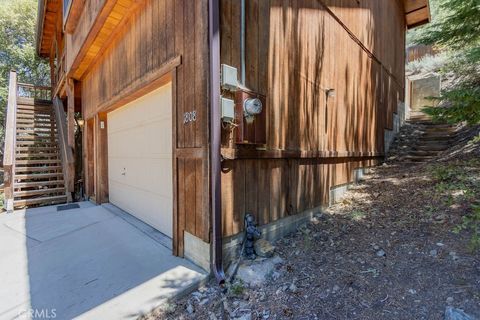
330	93
80	122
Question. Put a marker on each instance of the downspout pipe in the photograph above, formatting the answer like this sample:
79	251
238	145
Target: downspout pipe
215	140
242	42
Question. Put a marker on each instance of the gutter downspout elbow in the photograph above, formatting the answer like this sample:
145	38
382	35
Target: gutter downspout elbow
215	139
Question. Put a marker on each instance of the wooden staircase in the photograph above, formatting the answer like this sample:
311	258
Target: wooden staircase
38	164
435	139
38	177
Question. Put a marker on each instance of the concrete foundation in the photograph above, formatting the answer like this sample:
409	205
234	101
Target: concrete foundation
399	119
197	251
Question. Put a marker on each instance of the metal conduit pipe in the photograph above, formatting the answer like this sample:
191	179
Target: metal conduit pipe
242	42
215	140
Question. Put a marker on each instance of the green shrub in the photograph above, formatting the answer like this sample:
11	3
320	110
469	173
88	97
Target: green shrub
471	223
461	104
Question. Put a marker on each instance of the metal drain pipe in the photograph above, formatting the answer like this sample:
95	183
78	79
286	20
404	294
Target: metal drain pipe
242	42
215	139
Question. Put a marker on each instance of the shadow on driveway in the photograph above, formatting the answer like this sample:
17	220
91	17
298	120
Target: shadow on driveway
88	263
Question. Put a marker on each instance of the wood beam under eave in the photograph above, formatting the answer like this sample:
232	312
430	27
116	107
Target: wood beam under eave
417	12
418	17
46	25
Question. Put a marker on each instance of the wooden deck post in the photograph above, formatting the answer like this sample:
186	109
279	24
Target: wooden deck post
70	113
10	141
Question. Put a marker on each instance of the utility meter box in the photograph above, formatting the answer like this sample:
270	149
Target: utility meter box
250	117
229	77
228	109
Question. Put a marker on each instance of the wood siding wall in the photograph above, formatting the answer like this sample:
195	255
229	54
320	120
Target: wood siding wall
87	18
159	32
296	50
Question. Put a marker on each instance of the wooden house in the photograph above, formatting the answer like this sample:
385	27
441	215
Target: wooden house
195	112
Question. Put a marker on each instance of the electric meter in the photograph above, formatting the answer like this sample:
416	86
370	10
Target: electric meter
252	107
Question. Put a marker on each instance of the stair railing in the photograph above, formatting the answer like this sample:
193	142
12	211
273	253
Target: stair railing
66	153
10	142
25	90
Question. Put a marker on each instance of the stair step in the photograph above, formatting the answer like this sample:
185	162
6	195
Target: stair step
36	143
22	185
418	158
37	176
37	192
31	118
33	102
34	107
37	130
430	148
34	150
48	138
35	117
37	169
33	122
36	155
422	153
48	126
441	128
27	162
42	200
434	139
35	113
439	134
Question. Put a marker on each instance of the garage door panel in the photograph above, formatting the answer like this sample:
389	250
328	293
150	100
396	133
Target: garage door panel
155	106
134	201
152	143
136	175
140	159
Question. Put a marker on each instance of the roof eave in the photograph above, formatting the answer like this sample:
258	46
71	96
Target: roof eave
40	23
417	15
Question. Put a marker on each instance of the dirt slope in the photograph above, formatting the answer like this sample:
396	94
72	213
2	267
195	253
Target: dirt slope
387	251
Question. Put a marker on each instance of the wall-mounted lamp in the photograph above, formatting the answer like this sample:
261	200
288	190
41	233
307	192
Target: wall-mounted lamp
80	122
330	93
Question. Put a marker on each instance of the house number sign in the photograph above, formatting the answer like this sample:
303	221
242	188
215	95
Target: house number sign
189	117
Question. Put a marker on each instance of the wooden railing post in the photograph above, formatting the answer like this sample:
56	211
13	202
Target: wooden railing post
66	153
70	113
10	142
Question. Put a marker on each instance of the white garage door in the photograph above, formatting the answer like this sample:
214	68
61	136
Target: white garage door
140	158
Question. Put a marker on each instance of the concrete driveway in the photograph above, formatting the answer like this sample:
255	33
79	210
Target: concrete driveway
92	262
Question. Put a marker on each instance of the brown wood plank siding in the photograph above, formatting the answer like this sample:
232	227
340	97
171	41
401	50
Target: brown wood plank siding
84	26
157	34
274	189
296	50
